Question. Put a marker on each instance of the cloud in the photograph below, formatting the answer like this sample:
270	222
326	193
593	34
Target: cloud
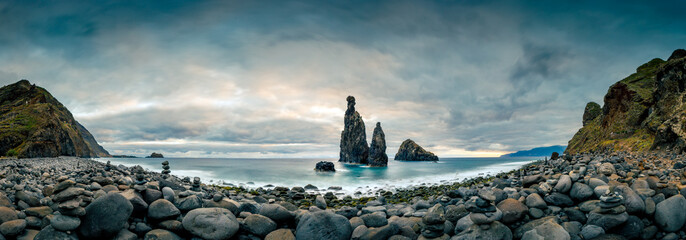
269	79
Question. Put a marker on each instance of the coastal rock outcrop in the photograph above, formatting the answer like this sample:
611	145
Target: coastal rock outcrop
591	112
324	166
34	124
411	151
377	150
354	148
155	155
642	112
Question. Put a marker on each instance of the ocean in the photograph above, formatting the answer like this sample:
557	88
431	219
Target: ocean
258	172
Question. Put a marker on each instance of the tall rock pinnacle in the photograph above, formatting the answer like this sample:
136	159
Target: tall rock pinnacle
377	150
354	148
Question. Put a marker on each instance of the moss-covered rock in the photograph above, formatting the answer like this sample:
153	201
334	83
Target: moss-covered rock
642	112
34	124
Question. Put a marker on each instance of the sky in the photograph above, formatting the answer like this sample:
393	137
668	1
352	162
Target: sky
270	78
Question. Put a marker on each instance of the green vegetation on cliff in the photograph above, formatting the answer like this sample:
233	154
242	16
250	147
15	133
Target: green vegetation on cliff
638	113
34	124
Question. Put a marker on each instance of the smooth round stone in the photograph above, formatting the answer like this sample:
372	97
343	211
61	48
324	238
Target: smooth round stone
512	209
65	223
280	234
536	213
591	231
276	212
13	227
159	234
607	221
610	199
259	225
535	201
211	223
614	210
7	214
376	219
217	197
161	209
106	216
609	204
486	194
323	225
669	214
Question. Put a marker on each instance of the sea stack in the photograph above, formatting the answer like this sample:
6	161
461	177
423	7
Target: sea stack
354	148
411	151
377	150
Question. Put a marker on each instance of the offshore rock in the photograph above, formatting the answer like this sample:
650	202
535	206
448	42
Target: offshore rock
354	148
411	151
377	151
324	166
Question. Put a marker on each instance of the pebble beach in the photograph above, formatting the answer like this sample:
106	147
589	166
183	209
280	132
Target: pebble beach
590	196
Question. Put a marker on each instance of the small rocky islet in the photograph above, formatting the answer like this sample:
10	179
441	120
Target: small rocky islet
354	148
586	196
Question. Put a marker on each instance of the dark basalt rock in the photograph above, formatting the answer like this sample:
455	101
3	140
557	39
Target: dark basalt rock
325	166
377	151
354	148
411	151
591	112
34	124
155	155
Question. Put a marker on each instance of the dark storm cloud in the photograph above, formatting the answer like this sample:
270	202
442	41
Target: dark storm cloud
269	78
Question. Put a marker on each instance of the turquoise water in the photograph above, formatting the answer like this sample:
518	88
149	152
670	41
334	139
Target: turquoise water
300	172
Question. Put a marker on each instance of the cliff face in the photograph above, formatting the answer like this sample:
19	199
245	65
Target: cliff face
354	148
34	124
411	151
645	111
377	149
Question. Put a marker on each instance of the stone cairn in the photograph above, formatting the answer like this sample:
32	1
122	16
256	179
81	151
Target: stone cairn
69	200
165	171
196	184
108	166
481	208
434	222
140	179
610	212
610	203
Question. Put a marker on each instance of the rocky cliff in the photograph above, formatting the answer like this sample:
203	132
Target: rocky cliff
354	148
411	151
644	111
377	150
34	124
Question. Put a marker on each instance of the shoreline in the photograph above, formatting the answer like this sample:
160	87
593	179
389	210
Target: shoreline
358	189
566	198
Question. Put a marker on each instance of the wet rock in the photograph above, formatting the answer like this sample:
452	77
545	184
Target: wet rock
13	227
495	230
259	225
65	223
324	166
211	223
323	225
160	234
354	148
161	209
377	149
669	214
512	210
411	151
105	216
